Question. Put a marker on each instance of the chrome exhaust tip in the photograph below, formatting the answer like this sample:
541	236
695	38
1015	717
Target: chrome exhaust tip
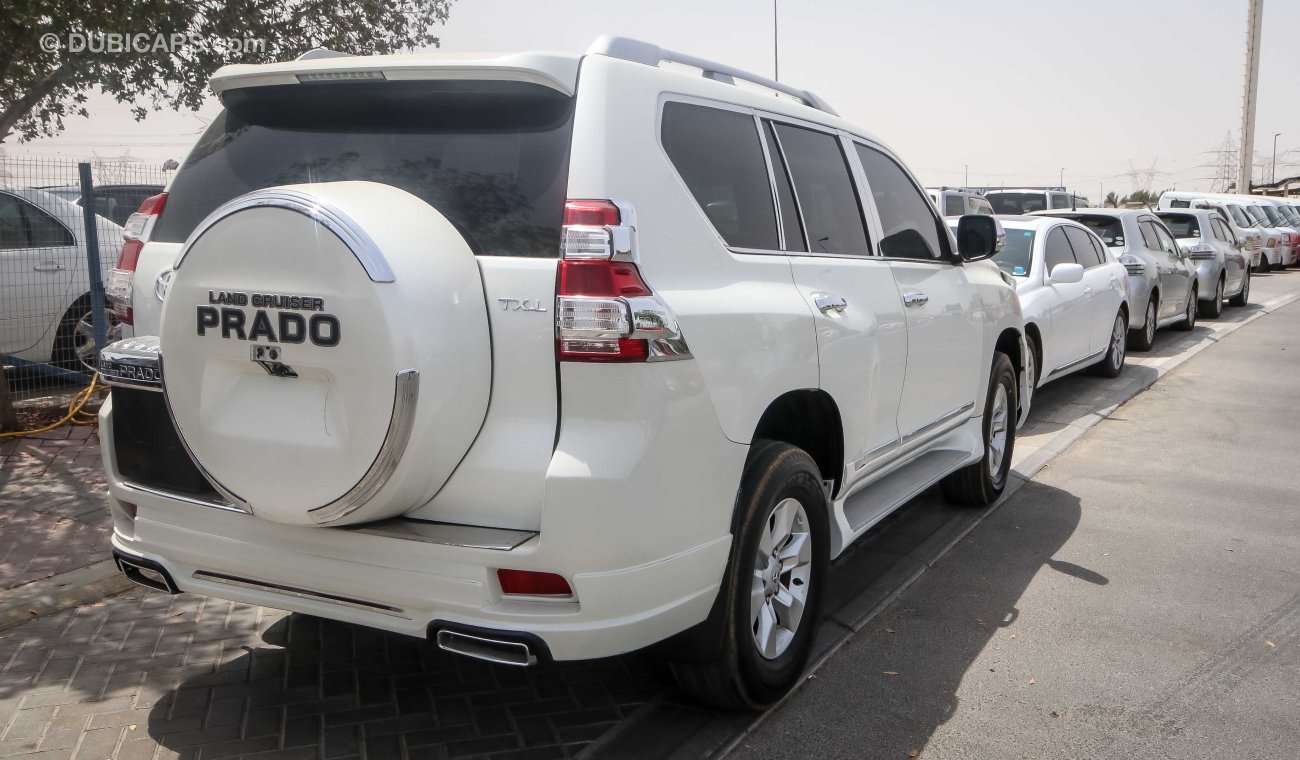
516	653
144	572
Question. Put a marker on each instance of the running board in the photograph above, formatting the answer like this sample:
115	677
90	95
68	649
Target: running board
869	505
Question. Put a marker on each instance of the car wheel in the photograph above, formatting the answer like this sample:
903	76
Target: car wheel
1189	319
981	483
1212	309
1113	362
1031	360
1243	297
1143	338
74	343
773	585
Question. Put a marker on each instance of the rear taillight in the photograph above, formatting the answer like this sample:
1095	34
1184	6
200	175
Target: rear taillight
118	287
604	310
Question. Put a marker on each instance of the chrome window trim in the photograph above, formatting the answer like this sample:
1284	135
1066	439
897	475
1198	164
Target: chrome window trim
317	209
771	181
406	398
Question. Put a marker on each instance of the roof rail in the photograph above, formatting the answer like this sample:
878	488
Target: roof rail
649	54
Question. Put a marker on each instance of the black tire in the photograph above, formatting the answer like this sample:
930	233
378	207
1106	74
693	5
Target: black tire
1212	309
981	483
1113	362
741	677
1188	321
1144	337
1242	298
66	340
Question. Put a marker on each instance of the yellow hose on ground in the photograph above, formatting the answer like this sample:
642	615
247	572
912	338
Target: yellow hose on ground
74	415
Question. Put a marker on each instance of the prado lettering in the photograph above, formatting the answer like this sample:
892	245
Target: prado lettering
290	327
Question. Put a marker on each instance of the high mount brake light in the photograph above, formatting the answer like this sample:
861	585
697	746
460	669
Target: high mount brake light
118	287
604	310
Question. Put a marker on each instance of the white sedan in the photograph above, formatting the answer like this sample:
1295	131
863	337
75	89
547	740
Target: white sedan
1073	292
45	303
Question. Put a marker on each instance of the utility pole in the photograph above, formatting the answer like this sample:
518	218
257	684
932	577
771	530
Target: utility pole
1246	159
1272	175
966	182
776	54
1061	182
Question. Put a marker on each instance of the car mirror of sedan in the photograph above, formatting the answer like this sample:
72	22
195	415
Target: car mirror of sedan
1066	274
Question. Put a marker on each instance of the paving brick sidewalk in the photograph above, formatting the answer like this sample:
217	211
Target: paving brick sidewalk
53	508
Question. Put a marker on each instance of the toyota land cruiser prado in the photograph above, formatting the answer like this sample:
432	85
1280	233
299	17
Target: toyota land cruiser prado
546	356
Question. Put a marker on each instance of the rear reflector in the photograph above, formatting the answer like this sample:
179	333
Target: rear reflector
531	583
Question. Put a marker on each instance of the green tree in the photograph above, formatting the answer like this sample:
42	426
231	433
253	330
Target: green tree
1111	199
43	81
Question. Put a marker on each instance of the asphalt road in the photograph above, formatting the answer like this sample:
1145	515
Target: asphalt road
1140	597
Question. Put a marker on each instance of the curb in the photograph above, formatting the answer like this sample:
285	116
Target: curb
696	732
72	589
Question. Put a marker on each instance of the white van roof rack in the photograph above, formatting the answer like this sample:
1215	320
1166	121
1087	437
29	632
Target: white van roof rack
650	54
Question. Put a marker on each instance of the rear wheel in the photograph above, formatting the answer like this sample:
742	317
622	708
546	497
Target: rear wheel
1212	309
1189	318
1113	362
74	343
1143	338
1243	297
773	584
981	483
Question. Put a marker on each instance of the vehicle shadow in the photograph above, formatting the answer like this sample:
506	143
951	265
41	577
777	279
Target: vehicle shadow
897	681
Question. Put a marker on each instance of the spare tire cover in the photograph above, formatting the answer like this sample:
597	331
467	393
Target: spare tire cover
326	351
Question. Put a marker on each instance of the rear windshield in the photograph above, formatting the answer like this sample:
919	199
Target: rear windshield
1182	225
1109	228
1017	203
492	157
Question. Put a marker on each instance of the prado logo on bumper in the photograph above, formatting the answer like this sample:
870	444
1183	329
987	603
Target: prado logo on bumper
275	318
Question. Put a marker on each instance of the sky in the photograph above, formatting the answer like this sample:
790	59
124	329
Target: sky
1001	92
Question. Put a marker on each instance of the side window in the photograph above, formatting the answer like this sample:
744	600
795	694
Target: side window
1057	249
1167	243
1083	250
13	231
981	206
954	205
1099	248
719	156
1179	204
824	191
1217	228
1060	200
43	230
1149	235
911	230
794	239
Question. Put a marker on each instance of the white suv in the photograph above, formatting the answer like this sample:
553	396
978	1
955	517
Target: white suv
462	348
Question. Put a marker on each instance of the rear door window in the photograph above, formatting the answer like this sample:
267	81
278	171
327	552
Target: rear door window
43	230
791	225
1084	253
954	205
1057	250
492	157
720	157
1149	235
827	199
910	228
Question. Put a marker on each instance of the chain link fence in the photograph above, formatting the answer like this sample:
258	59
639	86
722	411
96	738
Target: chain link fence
61	229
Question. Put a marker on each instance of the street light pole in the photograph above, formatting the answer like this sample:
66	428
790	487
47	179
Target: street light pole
776	55
1272	175
1061	182
966	182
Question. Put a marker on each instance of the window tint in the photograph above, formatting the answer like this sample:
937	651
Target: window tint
1167	243
827	200
13	231
719	155
790	224
1182	225
1060	201
1084	253
43	230
1057	250
1216	229
1149	235
1017	203
492	158
1099	248
910	228
954	205
1180	204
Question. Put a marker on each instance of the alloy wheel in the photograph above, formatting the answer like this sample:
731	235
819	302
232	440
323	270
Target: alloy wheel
1150	329
83	339
1117	342
782	573
998	431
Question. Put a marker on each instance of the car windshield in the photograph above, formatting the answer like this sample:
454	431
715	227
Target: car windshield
1017	203
1015	257
1182	225
1274	217
1239	216
1258	216
492	157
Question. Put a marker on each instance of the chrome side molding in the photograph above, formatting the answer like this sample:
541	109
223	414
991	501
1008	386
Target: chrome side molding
405	400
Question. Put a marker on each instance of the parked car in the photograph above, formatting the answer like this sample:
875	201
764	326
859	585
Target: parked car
1269	218
1027	200
1222	266
714	358
45	303
1231	212
1073	293
1162	282
1281	215
113	202
958	201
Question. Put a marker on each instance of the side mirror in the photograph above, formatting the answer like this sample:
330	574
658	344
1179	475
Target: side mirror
1067	273
979	237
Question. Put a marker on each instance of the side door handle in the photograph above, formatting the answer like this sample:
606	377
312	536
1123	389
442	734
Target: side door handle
48	267
829	302
915	298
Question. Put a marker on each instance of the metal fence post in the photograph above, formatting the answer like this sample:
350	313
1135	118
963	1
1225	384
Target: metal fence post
98	319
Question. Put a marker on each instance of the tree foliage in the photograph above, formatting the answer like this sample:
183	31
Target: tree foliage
40	87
